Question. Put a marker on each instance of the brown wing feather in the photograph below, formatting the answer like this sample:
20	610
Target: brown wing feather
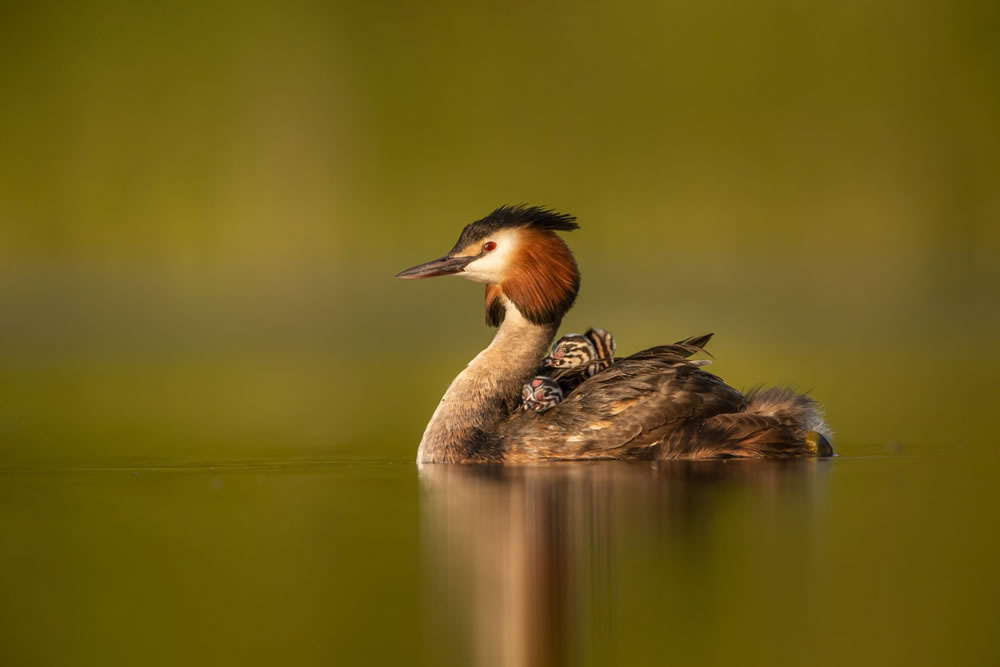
623	411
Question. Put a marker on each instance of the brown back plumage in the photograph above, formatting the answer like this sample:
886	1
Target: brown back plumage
657	404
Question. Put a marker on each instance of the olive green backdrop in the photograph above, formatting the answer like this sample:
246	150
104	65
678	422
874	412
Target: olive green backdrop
212	388
202	206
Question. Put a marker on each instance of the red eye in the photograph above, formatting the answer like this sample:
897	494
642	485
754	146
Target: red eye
489	246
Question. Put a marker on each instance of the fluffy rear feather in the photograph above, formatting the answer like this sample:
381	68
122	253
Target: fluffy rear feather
789	407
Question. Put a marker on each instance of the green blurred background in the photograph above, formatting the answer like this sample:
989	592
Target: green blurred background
202	206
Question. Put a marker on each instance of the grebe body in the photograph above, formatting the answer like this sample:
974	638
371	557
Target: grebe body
655	404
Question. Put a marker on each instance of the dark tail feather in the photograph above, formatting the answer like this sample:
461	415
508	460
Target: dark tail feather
796	411
778	423
678	351
789	407
697	341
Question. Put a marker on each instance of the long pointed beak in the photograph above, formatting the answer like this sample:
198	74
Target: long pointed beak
438	267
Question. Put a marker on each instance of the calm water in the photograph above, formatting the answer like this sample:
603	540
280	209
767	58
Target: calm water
202	206
869	560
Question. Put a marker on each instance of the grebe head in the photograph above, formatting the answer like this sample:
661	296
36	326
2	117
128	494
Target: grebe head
541	393
514	250
571	351
593	351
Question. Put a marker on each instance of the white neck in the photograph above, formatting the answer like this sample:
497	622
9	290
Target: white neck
486	391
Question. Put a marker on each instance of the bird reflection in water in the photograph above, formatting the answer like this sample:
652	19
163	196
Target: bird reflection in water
524	562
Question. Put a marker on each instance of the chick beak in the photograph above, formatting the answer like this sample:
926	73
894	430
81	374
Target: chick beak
444	266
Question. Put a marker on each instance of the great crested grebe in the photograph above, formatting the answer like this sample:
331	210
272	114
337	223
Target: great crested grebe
574	358
592	351
542	393
655	404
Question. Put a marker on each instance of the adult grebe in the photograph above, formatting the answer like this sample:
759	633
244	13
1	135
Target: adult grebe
655	404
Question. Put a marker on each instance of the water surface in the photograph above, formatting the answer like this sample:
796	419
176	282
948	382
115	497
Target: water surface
868	560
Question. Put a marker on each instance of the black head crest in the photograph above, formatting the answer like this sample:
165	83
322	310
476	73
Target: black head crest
510	217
